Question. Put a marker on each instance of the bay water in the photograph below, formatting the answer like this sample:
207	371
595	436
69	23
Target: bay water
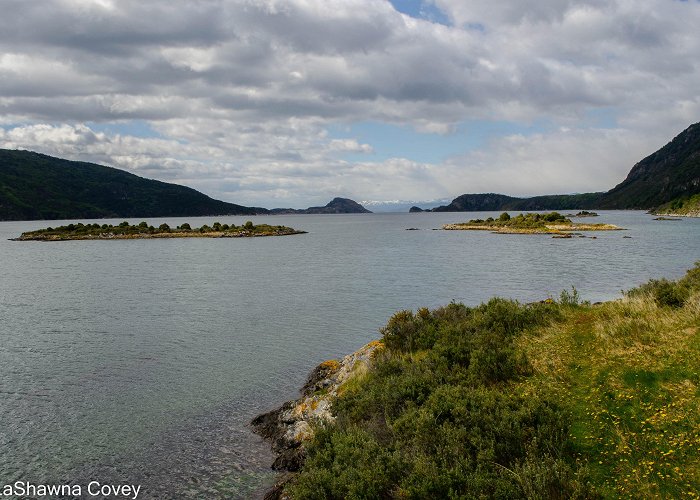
142	361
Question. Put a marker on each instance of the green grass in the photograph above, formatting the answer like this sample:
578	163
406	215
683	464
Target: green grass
628	373
506	400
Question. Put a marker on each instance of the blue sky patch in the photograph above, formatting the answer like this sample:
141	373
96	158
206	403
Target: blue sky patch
393	141
136	128
420	9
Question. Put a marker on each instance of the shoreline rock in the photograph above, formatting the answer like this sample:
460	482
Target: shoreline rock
292	424
547	229
164	235
691	214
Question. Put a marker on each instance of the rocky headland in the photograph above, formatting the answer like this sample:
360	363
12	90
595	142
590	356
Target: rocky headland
293	424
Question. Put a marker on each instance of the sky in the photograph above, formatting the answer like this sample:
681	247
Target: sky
289	103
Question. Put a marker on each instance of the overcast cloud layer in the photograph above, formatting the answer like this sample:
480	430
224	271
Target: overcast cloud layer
254	101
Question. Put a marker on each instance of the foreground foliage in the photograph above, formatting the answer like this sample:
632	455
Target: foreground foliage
505	400
143	230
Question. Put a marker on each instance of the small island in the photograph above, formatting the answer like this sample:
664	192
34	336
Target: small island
126	231
584	213
530	223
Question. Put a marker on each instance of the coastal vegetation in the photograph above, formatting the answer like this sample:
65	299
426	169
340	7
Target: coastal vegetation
584	213
555	399
530	223
686	207
125	230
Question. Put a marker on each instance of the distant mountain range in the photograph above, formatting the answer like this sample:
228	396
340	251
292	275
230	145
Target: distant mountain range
388	206
335	206
669	177
488	202
37	186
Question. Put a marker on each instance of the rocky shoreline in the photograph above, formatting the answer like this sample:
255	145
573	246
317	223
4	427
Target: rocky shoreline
292	424
146	236
547	229
689	214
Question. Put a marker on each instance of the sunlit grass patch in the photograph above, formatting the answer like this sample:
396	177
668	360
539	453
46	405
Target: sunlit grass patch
628	373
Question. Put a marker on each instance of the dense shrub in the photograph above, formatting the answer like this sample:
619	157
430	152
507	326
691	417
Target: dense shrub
523	221
670	293
554	217
447	410
348	464
570	299
437	416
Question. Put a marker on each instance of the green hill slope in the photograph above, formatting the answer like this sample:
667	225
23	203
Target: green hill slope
670	177
37	186
672	172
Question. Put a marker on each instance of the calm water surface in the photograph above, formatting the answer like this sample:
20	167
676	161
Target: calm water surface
142	361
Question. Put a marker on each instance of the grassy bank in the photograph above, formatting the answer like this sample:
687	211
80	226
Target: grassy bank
550	400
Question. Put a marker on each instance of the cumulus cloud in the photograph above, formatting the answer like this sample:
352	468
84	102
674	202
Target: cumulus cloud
561	161
242	93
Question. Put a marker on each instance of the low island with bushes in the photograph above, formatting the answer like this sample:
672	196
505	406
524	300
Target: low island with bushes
144	230
584	213
529	223
554	399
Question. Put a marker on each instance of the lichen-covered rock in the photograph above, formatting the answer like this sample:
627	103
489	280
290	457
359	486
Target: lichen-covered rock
290	425
320	377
